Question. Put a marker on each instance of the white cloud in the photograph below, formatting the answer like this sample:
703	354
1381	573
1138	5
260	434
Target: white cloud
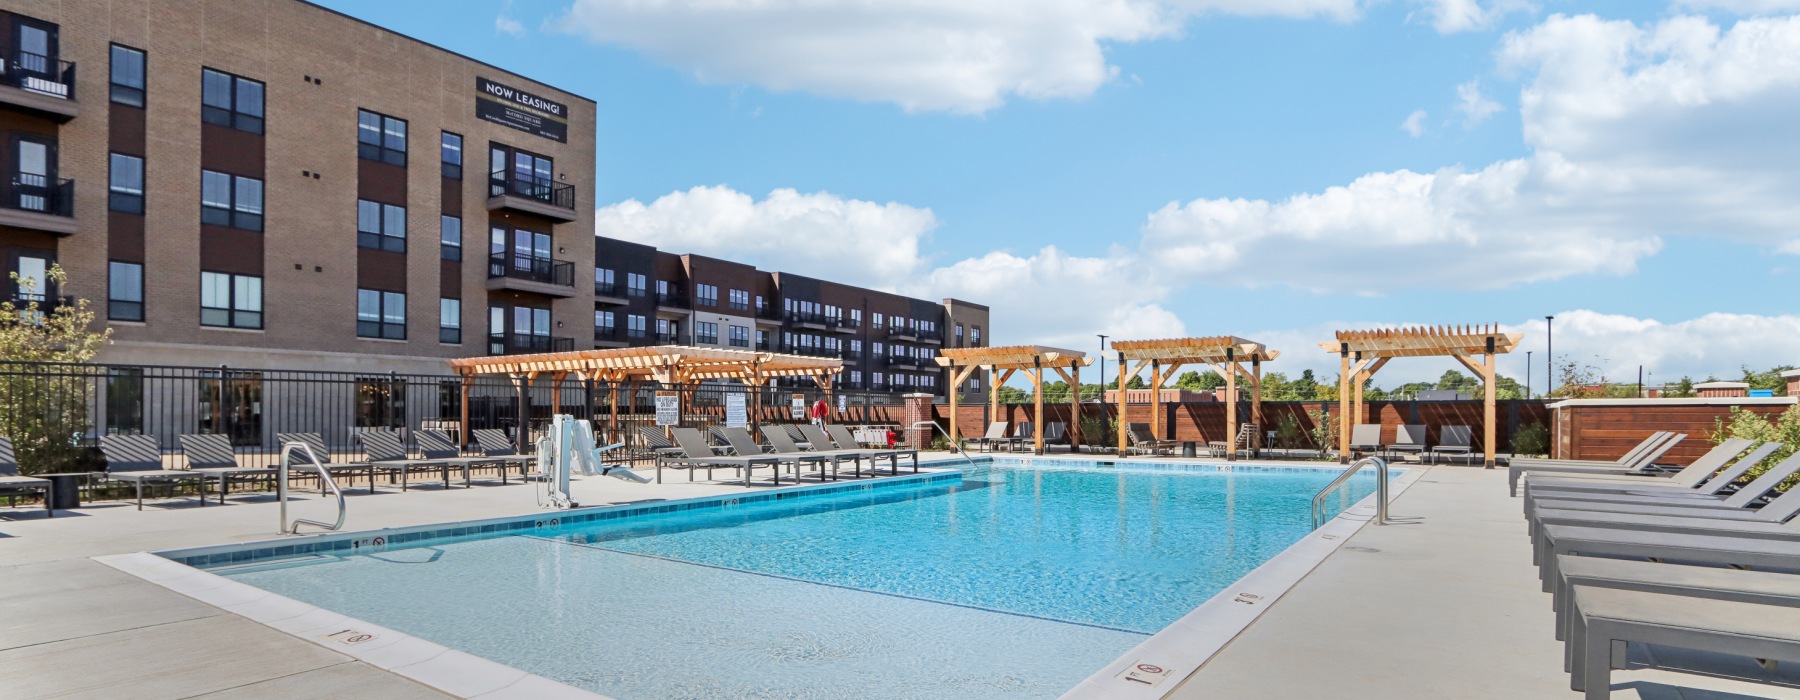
1475	107
1414	125
1717	344
924	55
1058	299
508	26
1744	7
1452	16
818	234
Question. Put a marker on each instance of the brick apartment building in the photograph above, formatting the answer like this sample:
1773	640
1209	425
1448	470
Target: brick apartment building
271	184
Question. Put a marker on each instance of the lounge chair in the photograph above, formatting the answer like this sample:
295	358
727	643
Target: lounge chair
744	445
495	445
1453	440
1242	440
1638	462
1710	550
797	435
316	443
437	447
212	454
658	442
1623	461
995	435
384	452
1706	496
1770	521
696	453
1142	443
1056	433
846	441
1696	581
1408	439
1603	621
1365	437
136	459
1025	435
1706	478
783	444
12	485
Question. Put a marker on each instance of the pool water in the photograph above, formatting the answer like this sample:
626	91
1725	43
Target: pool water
1018	581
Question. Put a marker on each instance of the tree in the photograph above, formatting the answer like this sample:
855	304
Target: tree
43	407
1136	382
1683	389
1770	380
1195	381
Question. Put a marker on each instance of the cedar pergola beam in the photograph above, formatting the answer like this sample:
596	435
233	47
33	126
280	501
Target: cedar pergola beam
1224	354
1003	361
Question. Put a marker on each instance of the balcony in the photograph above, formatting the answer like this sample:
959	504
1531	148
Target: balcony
672	301
532	195
46	303
768	315
610	294
808	350
521	344
900	362
934	337
38	203
850	355
544	276
669	338
902	333
762	346
807	320
38	85
609	337
843	325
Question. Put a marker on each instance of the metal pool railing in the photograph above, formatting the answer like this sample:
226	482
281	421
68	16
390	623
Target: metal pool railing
288	452
1381	490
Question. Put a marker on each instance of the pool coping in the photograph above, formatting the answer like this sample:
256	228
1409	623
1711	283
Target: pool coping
1179	650
439	667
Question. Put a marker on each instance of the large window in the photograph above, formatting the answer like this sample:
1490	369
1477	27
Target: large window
127	76
229	100
636	284
230	301
706	333
706	294
380	402
740	336
231	200
380	226
739	300
450	148
380	314
449	320
231	404
124	401
125	184
380	137
975	336
603	322
634	326
125	291
605	284
451	246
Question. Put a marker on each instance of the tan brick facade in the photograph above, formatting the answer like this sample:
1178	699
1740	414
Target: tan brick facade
319	68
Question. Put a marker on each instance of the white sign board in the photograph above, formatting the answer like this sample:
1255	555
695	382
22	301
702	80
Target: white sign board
842	403
735	415
799	406
668	410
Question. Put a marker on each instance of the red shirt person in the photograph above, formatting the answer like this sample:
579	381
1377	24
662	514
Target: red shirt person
820	411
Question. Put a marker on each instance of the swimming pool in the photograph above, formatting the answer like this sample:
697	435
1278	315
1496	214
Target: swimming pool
1018	579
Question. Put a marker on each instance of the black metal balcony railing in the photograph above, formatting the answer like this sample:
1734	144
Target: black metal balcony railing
46	303
902	332
544	190
671	299
521	344
850	355
845	324
614	289
546	270
929	335
36	193
768	312
609	334
39	73
763	346
808	350
636	334
671	338
740	342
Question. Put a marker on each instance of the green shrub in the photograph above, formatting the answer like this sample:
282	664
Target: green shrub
1288	433
1747	425
1532	439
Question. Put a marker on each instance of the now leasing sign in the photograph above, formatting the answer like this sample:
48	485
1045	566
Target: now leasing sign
510	106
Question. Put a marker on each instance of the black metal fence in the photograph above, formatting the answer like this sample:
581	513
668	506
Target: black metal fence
55	413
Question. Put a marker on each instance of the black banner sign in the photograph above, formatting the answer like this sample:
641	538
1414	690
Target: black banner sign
510	106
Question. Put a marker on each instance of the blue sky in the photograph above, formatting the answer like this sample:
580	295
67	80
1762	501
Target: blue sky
1146	167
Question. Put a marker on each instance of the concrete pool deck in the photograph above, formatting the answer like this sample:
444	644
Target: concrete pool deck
1442	604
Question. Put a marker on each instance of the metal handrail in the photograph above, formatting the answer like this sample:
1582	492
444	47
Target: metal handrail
1381	490
953	444
281	488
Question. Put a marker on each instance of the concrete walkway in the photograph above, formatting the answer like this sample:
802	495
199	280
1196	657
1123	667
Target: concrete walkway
1444	603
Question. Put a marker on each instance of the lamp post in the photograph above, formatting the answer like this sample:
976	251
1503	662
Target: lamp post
1528	374
1549	355
1102	367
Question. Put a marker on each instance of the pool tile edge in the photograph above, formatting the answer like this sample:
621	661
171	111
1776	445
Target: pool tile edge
468	676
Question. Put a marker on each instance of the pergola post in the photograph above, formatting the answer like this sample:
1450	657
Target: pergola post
954	396
1075	435
993	396
1156	418
1231	407
1344	405
522	431
1037	399
1256	415
1122	431
465	432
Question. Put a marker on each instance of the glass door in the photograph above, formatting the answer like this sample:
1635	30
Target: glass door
34	279
35	172
37	47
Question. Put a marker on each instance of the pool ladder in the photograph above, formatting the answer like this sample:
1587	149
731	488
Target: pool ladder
288	452
954	446
1381	490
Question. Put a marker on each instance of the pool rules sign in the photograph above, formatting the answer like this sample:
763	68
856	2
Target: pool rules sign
668	408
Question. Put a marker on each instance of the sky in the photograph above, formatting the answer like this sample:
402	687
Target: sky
1271	169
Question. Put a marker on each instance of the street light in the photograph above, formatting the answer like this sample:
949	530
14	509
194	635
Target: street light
1528	374
1549	355
1102	366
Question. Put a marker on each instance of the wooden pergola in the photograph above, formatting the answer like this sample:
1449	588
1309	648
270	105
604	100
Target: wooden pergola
1225	354
677	365
1362	353
1001	363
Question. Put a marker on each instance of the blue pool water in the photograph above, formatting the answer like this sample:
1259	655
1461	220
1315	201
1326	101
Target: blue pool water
1017	581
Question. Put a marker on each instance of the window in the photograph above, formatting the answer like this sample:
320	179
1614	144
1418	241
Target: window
124	401
231	200
856	317
380	314
380	137
380	402
229	100
833	313
739	300
635	284
877	322
530	174
875	349
604	282
634	326
875	381
603	321
450	146
959	334
449	320
855	378
706	294
975	335
450	236
740	336
127	76
706	333
125	291
382	226
125	184
230	301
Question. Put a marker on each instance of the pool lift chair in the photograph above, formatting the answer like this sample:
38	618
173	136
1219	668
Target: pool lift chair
569	446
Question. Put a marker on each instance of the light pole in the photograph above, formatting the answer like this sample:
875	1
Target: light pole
1549	355
1528	374
1102	367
